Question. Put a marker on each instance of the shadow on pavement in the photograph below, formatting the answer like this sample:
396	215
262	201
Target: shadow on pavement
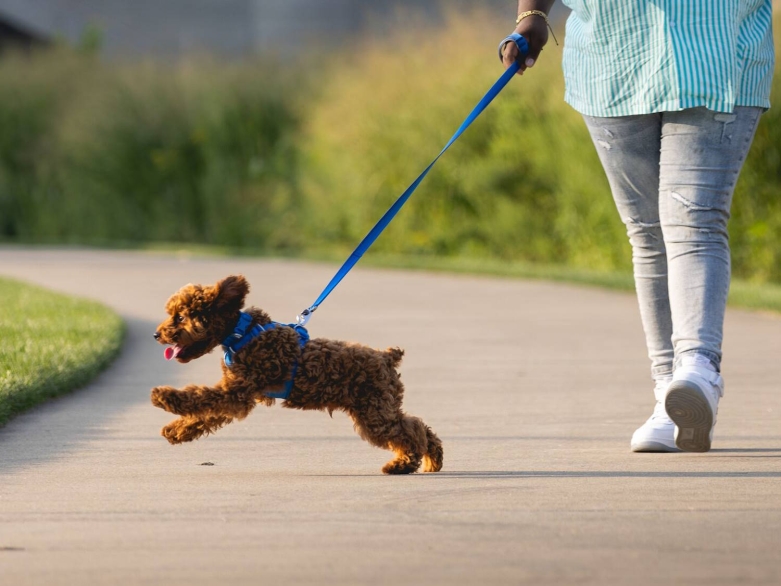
89	414
745	450
575	474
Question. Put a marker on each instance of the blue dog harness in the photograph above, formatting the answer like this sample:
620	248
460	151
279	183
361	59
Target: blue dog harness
241	337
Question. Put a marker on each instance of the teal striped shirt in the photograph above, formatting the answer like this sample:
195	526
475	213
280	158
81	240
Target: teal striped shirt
624	57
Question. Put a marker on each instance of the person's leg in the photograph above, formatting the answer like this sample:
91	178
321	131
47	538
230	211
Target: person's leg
702	153
629	148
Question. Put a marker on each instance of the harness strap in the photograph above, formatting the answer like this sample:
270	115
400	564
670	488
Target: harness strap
374	233
241	337
303	338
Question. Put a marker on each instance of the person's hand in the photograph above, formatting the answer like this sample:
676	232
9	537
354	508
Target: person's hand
535	31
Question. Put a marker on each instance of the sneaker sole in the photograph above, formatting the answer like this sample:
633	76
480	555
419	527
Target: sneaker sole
687	406
654	447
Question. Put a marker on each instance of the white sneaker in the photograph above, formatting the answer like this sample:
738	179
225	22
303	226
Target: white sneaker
658	433
693	402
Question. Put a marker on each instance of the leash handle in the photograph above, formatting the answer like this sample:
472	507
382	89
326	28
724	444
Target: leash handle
383	222
520	42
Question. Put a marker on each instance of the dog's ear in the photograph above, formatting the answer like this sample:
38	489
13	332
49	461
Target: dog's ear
231	292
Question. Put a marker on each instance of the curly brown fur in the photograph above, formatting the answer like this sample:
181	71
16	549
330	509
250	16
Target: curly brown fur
332	375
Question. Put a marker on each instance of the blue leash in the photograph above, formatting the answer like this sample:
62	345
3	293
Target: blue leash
240	337
374	233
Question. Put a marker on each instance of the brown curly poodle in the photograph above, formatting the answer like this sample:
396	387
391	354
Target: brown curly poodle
318	374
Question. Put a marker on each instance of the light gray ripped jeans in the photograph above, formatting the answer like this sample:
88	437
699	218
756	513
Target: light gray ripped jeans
672	175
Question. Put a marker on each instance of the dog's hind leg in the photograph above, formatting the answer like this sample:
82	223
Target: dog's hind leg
434	456
403	434
410	443
188	428
202	401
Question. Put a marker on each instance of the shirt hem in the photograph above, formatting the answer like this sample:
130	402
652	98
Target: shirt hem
636	109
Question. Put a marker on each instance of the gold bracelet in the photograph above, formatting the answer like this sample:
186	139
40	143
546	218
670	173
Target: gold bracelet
523	15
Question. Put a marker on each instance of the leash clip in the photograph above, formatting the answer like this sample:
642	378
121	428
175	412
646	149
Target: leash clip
303	317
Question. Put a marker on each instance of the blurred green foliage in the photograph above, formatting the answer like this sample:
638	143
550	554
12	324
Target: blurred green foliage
192	153
257	158
524	182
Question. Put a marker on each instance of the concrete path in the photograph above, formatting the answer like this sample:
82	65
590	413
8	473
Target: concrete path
534	388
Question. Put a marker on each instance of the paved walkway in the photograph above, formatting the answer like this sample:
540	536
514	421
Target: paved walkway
534	388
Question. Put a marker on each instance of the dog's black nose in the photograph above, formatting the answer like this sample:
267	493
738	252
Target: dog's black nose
156	335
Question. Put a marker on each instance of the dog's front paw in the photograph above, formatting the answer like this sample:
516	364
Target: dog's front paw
182	430
171	433
164	398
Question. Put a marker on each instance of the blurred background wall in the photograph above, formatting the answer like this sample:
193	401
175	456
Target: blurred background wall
166	28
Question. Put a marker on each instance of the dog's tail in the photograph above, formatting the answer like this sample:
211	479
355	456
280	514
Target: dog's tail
394	355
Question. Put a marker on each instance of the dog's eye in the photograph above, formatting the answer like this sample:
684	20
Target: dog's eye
179	318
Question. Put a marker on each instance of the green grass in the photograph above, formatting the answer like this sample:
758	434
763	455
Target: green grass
757	296
50	344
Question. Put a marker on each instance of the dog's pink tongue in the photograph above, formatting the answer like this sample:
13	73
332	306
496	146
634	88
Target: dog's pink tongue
171	352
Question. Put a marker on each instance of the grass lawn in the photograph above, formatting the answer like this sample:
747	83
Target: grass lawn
50	344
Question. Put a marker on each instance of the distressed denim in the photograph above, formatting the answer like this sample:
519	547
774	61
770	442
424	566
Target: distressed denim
672	175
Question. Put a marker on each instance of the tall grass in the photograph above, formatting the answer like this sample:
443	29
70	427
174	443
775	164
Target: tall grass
250	156
755	227
524	183
195	153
